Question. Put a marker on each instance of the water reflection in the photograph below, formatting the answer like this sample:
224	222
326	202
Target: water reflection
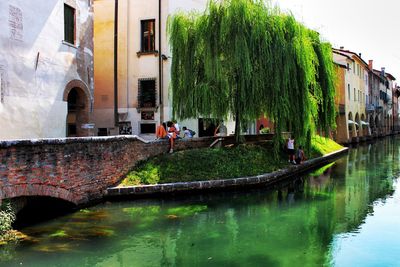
304	221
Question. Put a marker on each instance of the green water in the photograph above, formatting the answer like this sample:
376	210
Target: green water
345	215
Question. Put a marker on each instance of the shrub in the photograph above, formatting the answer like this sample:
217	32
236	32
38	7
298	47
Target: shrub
265	130
7	217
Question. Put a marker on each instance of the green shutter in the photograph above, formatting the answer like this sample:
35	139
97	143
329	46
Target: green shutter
69	24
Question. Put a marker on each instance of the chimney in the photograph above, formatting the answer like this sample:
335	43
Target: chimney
342	47
371	64
383	71
359	54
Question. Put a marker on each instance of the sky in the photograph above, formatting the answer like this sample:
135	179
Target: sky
369	27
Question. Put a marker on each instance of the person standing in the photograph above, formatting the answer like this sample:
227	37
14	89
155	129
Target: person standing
290	148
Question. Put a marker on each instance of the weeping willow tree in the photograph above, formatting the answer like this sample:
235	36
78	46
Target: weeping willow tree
244	59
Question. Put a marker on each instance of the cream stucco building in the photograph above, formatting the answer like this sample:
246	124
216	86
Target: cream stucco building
46	68
370	106
356	94
143	65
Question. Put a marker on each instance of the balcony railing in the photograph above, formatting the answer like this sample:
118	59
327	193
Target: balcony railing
370	108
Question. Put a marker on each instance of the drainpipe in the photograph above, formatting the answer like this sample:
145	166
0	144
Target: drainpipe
160	76
116	119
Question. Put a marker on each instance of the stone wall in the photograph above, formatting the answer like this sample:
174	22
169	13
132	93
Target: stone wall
78	170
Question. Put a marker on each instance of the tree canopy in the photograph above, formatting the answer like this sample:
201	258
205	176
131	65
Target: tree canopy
244	59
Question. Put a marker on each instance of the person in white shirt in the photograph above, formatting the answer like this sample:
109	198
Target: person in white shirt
187	133
177	128
290	148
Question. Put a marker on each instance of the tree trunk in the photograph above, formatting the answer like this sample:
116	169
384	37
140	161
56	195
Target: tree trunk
237	115
237	126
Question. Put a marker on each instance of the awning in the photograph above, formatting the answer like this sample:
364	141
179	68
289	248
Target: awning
364	123
352	122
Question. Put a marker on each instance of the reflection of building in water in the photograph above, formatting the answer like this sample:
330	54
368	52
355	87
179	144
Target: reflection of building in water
365	180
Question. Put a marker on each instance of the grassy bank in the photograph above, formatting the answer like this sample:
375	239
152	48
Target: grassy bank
219	163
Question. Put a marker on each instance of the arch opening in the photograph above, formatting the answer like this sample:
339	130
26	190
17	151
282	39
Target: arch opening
30	210
78	113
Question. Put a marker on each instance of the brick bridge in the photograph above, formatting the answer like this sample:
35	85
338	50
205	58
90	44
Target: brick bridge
77	170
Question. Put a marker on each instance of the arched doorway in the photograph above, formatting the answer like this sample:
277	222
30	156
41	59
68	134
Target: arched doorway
77	97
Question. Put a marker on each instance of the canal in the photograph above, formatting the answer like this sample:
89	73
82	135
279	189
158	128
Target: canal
345	214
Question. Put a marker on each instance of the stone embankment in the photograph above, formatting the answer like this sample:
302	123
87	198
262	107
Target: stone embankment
262	180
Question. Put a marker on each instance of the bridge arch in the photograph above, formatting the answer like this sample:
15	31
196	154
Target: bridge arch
38	190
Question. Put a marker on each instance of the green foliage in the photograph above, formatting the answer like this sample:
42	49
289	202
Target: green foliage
322	146
220	163
244	59
59	234
7	217
321	170
265	130
207	164
148	174
186	211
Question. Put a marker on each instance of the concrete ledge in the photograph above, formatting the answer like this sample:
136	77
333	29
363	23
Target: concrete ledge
263	179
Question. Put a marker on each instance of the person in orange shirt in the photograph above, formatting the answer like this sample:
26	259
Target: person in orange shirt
161	132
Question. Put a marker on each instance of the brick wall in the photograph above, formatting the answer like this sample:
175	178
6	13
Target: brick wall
75	169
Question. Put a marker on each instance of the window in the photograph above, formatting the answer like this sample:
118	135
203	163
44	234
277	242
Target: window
102	132
147	36
146	128
348	91
354	67
355	96
71	130
147	93
69	24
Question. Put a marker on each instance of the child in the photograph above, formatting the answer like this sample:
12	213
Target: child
187	132
300	155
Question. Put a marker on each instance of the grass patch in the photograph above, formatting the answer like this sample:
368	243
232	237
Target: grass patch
218	163
321	146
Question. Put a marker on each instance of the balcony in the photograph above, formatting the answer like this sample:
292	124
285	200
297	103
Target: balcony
370	108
